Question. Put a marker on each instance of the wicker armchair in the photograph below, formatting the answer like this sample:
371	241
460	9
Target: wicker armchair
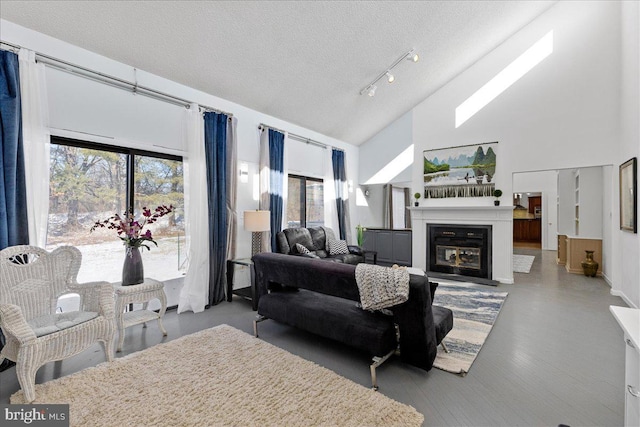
31	281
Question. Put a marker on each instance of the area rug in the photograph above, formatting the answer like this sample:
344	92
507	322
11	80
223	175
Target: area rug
475	310
219	377
522	263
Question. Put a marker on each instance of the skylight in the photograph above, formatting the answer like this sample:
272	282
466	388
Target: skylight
505	78
393	168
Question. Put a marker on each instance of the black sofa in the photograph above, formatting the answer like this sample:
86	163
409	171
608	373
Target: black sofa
315	240
322	298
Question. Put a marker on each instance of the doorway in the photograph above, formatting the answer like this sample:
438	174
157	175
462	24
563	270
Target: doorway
527	220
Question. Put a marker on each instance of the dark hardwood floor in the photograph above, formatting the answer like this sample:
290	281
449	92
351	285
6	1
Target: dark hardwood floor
555	356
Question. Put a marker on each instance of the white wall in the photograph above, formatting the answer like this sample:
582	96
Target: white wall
544	182
384	147
88	110
591	186
608	222
86	106
370	207
579	107
558	115
377	152
562	114
626	281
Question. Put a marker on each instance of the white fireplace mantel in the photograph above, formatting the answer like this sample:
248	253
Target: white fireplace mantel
499	217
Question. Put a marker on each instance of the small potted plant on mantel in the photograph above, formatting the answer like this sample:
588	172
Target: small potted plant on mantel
497	194
417	196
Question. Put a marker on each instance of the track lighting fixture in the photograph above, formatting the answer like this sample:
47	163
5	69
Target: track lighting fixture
370	89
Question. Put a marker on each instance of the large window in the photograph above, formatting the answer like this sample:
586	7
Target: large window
90	182
305	202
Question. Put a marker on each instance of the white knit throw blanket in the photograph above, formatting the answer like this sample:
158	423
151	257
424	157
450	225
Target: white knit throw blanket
381	287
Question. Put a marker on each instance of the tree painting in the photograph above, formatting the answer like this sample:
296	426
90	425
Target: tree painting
465	171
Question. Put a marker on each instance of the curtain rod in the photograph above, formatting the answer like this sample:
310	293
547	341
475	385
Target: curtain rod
8	46
299	138
113	81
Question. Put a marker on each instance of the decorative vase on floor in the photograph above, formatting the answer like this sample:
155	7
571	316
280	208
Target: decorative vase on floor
132	270
589	266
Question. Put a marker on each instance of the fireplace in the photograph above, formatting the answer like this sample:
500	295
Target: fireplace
460	249
500	218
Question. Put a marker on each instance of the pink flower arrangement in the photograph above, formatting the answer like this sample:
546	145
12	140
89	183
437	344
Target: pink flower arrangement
130	230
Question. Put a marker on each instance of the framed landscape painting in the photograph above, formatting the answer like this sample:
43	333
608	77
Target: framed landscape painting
465	171
629	195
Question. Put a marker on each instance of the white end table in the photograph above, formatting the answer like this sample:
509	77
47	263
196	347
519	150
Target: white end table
135	294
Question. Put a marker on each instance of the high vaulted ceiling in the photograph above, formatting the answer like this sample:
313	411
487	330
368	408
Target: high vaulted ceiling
303	62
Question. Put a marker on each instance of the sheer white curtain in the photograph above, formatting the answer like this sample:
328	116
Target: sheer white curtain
397	201
285	181
195	291
347	202
232	187
265	203
330	208
35	137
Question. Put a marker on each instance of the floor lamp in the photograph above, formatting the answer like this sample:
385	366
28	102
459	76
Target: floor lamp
257	222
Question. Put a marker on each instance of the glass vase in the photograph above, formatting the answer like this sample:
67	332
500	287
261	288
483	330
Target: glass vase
132	269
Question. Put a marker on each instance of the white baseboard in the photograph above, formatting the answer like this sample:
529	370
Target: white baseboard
621	294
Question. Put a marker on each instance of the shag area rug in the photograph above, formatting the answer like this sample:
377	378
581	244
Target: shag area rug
522	263
219	377
475	309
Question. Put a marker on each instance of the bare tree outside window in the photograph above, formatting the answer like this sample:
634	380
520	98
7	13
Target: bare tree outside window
88	184
305	202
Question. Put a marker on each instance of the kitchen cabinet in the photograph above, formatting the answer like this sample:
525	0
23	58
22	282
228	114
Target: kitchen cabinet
535	206
527	230
392	246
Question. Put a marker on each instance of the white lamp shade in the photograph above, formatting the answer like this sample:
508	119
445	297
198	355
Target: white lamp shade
257	220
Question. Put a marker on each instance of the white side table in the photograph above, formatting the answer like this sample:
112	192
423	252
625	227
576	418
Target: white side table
136	294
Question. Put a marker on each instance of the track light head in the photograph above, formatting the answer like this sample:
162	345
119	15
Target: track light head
370	89
390	77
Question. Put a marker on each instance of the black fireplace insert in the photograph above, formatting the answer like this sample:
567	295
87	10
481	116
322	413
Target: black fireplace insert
459	249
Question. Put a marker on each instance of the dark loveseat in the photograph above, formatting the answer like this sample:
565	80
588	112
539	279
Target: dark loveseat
315	240
321	297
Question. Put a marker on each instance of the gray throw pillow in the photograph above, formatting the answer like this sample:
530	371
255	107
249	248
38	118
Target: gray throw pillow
338	247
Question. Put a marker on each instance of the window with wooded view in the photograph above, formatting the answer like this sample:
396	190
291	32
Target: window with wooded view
305	201
90	182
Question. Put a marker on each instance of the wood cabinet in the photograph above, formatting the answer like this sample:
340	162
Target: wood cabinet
535	204
393	246
527	230
562	249
576	247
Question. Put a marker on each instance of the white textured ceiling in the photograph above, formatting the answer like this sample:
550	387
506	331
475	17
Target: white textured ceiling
303	62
